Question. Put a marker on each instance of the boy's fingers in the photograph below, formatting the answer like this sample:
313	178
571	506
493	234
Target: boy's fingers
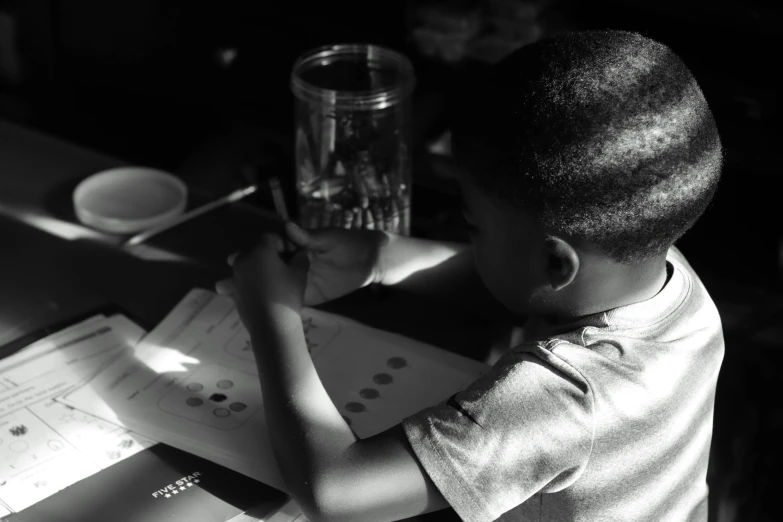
267	240
307	239
271	241
300	260
225	287
297	235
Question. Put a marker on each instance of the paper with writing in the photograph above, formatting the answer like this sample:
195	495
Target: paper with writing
46	446
192	382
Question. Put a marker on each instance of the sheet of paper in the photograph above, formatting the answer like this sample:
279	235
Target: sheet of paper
46	446
45	344
192	382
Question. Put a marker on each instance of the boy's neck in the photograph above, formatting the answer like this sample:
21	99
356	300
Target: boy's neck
611	285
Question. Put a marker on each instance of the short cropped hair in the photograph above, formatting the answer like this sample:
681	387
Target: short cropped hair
602	135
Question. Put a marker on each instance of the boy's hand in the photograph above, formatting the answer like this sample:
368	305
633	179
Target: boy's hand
341	261
262	278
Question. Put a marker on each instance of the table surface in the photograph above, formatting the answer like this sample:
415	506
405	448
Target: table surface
59	267
54	270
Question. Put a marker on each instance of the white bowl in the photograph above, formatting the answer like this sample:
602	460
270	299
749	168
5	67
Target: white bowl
128	200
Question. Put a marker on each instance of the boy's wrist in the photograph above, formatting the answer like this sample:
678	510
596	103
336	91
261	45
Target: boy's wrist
380	267
272	316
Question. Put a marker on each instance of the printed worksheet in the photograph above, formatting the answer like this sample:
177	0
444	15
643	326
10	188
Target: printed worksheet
192	382
46	446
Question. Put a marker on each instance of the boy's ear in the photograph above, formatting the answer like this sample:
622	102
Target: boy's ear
562	262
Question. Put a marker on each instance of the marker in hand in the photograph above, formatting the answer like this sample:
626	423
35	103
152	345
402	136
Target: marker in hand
279	201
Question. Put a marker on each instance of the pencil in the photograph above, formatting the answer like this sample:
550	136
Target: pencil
187	216
279	202
277	198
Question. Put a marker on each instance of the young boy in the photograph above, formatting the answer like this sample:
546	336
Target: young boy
582	159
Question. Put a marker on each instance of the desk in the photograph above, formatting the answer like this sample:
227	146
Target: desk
38	173
49	276
46	280
52	267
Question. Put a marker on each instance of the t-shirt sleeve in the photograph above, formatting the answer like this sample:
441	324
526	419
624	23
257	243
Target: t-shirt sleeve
526	427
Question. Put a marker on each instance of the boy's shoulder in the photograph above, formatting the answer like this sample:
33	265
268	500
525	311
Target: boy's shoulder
538	422
680	322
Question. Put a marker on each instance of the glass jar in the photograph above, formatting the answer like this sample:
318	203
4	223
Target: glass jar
353	130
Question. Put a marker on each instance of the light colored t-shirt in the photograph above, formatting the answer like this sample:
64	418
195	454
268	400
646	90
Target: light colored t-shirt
607	419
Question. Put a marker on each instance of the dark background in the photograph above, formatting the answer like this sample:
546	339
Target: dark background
141	80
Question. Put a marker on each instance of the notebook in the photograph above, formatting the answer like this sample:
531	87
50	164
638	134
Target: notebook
160	483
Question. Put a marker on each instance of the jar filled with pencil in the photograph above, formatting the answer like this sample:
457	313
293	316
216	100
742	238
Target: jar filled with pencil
353	129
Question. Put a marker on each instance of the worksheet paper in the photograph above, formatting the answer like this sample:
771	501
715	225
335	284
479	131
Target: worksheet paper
46	446
192	382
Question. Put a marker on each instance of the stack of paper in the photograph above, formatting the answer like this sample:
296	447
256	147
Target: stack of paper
158	484
46	446
192	382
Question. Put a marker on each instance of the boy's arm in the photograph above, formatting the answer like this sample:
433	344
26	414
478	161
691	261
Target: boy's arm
331	474
438	269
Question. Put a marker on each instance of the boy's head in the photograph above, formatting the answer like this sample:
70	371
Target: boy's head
600	141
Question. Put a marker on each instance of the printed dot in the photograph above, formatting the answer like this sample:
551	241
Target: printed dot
221	412
347	420
225	384
396	363
217	397
355	407
237	406
382	378
195	387
369	393
194	401
19	446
